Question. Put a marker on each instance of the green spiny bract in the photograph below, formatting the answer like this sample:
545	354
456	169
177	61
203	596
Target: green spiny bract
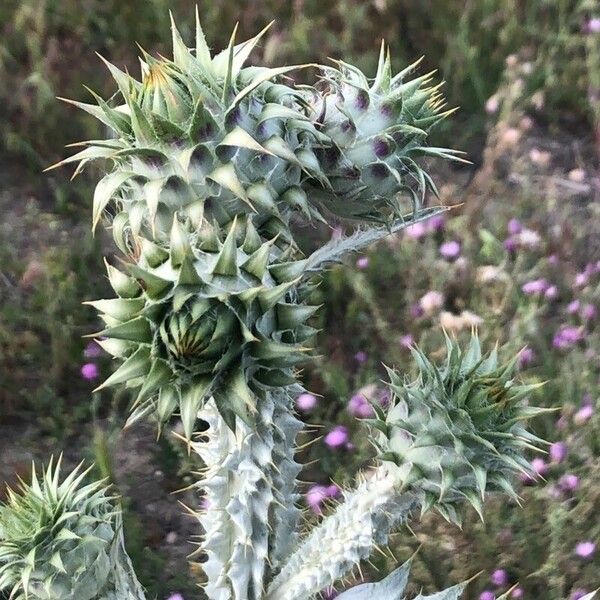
63	540
456	431
207	137
206	316
378	130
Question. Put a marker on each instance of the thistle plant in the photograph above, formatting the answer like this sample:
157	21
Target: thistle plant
210	165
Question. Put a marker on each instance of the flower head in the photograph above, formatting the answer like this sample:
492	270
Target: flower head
90	371
499	577
585	549
306	402
337	437
558	452
450	250
360	407
362	262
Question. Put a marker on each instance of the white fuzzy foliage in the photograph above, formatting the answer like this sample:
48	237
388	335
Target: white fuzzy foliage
333	548
250	498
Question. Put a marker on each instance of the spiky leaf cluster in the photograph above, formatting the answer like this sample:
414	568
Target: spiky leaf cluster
205	136
378	130
457	430
204	316
62	540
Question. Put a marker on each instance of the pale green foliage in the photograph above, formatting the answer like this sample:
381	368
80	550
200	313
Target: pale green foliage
210	163
61	540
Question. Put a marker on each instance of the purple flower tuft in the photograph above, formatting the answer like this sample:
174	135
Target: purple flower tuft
568	482
499	577
362	262
558	452
526	357
306	402
92	350
337	437
585	549
90	371
176	596
535	287
514	227
407	340
361	357
487	595
450	250
566	337
517	593
360	407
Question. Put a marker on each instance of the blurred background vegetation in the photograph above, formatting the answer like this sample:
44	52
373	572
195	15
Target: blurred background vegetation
518	258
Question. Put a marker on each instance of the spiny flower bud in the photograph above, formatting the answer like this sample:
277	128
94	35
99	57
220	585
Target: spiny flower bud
457	430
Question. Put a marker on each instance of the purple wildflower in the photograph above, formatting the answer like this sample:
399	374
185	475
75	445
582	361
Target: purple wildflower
558	452
514	227
539	466
315	497
526	357
176	596
416	231
450	250
436	223
90	371
360	407
499	577
591	25
584	414
589	312
573	307
361	357
566	337
585	549
581	279
487	595
551	293
517	593
568	482
362	262
407	340
306	402
577	594
511	244
337	437
535	287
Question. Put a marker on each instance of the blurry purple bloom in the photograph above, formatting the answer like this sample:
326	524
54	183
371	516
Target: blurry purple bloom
551	293
360	407
361	357
450	250
585	549
558	452
90	371
517	593
535	287
514	227
569	482
581	279
92	350
573	307
333	491
315	497
510	244
362	262
350	446
431	301
553	260
577	594
416	231
526	357
561	423
487	595
436	223
499	577
175	596
407	340
306	402
591	25
567	336
416	311
539	466
337	437
584	414
589	312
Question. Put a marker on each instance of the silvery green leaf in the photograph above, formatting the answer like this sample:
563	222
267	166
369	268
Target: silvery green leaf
390	588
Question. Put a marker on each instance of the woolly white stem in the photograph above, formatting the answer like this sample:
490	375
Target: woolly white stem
250	497
334	547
